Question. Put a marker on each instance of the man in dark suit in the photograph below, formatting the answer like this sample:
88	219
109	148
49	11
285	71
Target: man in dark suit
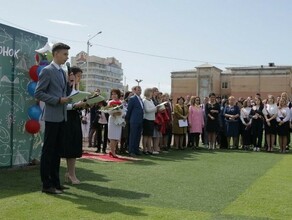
134	116
51	89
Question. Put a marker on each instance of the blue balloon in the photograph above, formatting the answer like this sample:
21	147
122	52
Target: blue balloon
40	69
31	88
34	112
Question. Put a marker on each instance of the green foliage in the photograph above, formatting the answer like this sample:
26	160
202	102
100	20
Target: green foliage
176	185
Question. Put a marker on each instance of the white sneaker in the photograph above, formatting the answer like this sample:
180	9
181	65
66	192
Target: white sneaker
254	149
258	149
155	152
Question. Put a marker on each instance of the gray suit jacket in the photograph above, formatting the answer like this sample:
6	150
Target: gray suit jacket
50	88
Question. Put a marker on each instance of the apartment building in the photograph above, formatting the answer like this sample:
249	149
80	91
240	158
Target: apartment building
102	73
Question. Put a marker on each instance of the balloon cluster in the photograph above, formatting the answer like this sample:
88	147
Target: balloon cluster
42	58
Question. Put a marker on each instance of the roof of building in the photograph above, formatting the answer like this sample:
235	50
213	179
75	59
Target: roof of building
185	71
207	65
259	67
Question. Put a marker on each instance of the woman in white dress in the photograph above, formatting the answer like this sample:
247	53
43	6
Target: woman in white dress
114	129
85	123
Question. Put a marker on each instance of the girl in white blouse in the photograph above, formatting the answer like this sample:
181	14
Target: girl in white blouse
283	118
270	113
289	105
246	120
148	122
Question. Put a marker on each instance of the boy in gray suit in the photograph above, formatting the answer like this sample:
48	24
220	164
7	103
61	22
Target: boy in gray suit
51	89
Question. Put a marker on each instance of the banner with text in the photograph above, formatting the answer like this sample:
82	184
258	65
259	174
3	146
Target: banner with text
17	55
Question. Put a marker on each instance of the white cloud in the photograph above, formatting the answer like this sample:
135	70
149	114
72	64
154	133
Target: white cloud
66	22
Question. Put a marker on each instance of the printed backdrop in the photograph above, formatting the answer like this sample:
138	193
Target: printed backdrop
17	55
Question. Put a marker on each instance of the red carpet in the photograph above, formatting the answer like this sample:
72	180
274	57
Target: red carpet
106	157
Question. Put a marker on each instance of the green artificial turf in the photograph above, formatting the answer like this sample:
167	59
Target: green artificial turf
187	184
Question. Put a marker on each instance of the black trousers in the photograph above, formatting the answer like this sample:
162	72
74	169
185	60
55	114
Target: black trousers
50	158
257	134
101	138
194	139
92	135
246	136
169	137
223	138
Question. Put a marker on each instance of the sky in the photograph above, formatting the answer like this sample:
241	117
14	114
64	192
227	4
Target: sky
152	38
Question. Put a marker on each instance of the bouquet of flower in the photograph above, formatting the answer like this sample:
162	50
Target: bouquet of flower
115	109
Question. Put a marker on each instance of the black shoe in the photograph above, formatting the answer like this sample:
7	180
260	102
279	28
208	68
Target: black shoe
122	152
52	190
62	187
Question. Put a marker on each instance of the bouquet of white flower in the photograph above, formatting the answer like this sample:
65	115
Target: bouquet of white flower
116	109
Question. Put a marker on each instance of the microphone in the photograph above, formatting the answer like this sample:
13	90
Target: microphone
68	67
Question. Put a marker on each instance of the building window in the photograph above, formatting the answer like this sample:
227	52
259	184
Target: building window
224	85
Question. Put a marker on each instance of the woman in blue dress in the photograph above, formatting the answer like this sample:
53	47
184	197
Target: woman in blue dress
231	114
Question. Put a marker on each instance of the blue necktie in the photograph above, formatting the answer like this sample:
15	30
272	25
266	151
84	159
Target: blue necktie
62	76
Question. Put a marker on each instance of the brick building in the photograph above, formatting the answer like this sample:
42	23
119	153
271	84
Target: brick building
236	81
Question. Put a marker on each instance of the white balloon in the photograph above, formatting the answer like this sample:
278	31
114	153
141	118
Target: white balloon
46	48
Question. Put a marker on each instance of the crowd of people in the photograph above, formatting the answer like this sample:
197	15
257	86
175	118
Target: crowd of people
252	123
149	117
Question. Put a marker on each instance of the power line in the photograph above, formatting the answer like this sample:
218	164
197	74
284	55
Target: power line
124	50
166	57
